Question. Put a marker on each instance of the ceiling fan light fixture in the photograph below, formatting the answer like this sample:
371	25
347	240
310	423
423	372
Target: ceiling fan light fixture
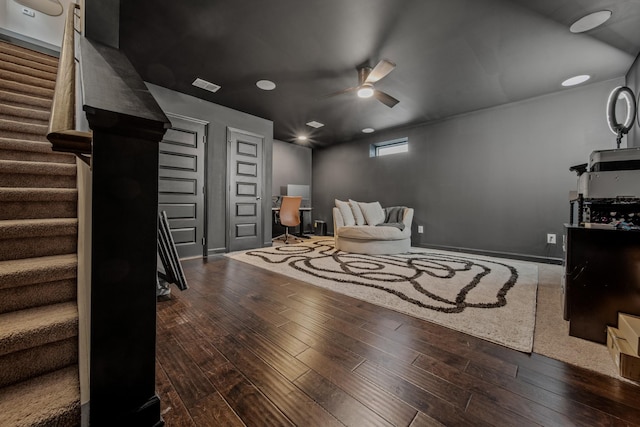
590	21
365	91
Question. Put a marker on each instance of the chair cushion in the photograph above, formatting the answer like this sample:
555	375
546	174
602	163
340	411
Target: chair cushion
369	232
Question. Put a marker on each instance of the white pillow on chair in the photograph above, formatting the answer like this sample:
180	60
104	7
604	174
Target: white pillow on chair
357	213
347	214
373	213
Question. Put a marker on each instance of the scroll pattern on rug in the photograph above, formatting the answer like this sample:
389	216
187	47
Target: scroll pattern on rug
372	270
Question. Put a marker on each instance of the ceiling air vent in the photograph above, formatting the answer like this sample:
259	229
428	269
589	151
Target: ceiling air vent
315	124
203	84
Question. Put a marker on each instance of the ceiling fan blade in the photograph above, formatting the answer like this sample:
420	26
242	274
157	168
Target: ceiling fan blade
385	98
380	71
341	92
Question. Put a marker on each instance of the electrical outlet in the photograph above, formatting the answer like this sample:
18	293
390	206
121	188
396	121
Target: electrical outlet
28	12
551	239
420	229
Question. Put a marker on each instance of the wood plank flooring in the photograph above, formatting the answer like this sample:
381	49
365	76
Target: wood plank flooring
244	346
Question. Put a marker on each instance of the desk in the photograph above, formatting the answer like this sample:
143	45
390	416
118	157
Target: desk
302	211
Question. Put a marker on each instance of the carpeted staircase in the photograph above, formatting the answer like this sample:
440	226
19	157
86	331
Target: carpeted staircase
38	238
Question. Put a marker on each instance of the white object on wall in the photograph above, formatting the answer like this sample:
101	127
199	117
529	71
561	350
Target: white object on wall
48	7
41	26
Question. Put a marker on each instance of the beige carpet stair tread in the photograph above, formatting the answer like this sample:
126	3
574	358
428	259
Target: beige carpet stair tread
28	71
13	86
31	55
20	113
10	194
12	59
41	203
48	400
26	150
30	80
6	114
22	365
34	137
37	295
21	99
24	180
36	156
36	168
21	127
33	327
25	145
26	228
29	271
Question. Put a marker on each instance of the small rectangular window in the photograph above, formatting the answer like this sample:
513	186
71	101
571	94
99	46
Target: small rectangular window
385	148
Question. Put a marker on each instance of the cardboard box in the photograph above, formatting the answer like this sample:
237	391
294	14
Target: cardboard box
629	327
626	360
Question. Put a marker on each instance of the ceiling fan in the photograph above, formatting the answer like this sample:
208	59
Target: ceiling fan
367	76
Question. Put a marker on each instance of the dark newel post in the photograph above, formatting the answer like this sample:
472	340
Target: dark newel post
127	125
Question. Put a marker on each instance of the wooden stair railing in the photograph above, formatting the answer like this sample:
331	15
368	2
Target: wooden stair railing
62	125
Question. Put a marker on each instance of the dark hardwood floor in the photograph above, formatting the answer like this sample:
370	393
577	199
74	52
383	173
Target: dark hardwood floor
244	346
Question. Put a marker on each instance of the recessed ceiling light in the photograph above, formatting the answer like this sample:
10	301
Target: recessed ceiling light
315	124
590	21
266	84
302	138
576	80
203	84
368	130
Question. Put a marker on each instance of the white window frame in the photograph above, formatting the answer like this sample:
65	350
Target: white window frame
387	148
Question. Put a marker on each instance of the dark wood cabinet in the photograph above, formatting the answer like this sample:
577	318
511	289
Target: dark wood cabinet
602	278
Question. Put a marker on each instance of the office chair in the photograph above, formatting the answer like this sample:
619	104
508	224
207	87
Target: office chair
289	216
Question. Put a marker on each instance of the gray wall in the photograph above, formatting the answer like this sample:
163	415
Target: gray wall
102	21
495	180
633	81
291	165
220	118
